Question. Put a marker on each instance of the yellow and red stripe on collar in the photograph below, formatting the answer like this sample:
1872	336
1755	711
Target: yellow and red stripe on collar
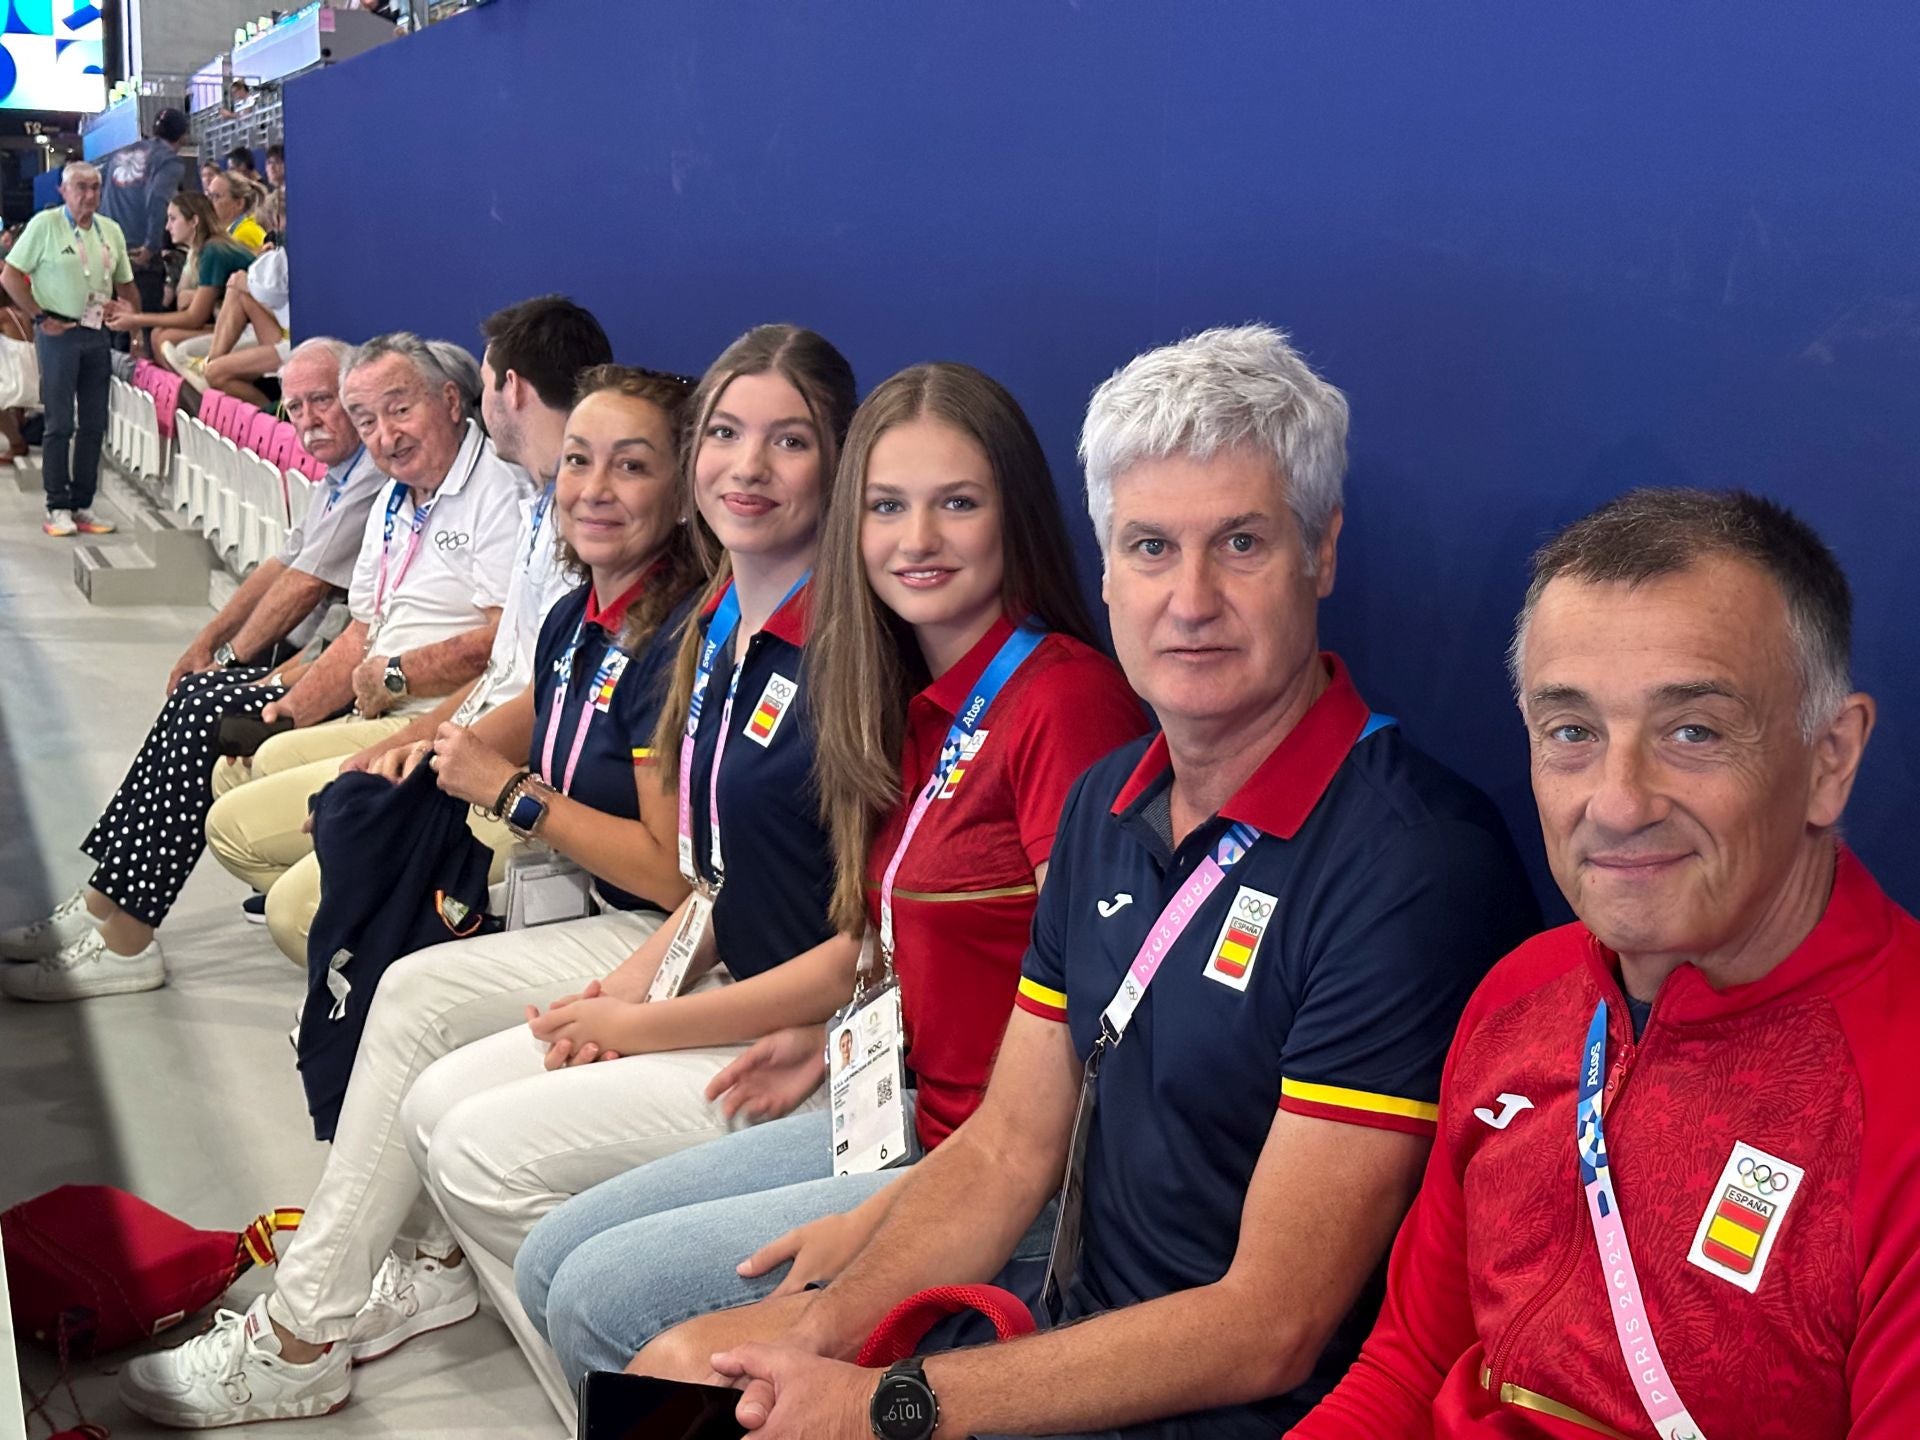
1358	1107
1037	999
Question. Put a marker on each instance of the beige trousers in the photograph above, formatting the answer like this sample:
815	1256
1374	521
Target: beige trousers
255	827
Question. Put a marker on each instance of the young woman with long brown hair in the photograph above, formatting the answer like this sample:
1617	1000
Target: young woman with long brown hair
945	570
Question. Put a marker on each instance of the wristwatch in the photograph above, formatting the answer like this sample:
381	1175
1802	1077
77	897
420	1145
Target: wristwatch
224	658
396	678
904	1407
527	808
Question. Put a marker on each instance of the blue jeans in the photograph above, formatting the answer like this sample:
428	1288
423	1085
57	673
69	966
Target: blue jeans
614	1267
75	367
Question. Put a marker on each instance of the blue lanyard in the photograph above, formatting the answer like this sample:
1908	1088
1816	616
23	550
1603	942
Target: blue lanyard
337	488
420	514
540	508
726	619
955	756
1012	655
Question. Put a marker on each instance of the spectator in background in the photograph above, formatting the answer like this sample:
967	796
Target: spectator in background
208	169
240	162
250	339
276	167
191	222
19	380
139	181
66	266
234	197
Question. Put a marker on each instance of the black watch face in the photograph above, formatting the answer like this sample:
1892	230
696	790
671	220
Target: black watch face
902	1409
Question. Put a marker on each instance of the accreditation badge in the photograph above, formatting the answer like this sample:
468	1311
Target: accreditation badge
544	888
687	936
1241	935
866	1083
1745	1214
764	723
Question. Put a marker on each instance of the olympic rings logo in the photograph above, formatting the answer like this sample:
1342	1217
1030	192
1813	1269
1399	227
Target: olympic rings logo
1255	909
1760	1177
451	539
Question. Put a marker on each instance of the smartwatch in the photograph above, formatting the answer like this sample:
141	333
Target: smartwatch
527	808
903	1406
224	658
396	678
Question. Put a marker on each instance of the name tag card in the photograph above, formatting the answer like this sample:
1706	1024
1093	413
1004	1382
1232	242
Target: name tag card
674	965
866	1083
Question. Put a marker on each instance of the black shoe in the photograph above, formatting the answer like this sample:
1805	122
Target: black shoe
254	907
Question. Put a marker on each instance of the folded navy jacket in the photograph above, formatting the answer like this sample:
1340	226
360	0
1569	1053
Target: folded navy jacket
399	871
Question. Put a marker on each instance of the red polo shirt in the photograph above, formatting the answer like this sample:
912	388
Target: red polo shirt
963	900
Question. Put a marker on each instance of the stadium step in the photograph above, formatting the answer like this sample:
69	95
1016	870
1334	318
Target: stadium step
152	560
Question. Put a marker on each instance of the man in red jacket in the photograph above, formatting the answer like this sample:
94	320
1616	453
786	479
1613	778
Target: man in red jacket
1676	1185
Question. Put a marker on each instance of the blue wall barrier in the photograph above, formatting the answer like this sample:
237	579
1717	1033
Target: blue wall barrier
1549	251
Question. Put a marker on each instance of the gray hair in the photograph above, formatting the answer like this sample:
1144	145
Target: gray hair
337	351
440	362
1649	533
78	167
1222	389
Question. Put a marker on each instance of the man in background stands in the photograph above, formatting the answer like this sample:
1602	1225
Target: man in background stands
140	179
65	267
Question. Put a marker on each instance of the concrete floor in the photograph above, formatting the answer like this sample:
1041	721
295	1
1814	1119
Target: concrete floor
186	1096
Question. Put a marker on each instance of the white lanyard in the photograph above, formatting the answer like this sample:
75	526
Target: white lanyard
86	257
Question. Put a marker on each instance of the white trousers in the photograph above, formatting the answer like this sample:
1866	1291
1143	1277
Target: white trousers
502	1141
428	1005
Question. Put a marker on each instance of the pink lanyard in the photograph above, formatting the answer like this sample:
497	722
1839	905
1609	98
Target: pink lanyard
420	514
1012	654
604	679
1631	1325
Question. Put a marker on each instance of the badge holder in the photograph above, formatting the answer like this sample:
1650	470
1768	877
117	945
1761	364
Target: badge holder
1063	1255
678	960
95	315
867	1074
545	888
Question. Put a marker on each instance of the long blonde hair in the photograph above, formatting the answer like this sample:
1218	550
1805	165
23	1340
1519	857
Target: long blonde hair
863	659
806	361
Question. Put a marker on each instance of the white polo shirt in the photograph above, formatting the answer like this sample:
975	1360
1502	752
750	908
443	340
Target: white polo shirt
539	580
326	544
461	566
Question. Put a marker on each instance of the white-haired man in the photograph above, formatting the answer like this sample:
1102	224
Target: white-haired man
151	829
1257	931
65	267
429	578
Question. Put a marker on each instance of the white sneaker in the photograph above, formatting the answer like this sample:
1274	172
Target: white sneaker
59	523
84	969
411	1297
47	937
231	1375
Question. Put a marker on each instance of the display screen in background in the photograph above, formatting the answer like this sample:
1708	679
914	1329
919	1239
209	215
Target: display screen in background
53	56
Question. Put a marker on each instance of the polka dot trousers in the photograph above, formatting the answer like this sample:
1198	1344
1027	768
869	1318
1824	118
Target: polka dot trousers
153	830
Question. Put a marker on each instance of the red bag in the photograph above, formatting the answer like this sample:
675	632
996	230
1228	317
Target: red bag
907	1324
92	1268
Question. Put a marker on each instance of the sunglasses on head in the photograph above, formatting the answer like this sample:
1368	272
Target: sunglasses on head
672	377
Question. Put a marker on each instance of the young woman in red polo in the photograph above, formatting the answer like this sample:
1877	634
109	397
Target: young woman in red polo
958	697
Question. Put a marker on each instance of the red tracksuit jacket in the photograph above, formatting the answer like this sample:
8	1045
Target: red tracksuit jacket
1800	1317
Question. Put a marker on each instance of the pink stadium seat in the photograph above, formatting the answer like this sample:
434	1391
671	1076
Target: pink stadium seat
259	432
166	401
309	466
282	445
213	411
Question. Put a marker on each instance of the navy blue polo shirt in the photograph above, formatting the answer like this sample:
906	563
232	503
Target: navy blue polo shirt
625	709
1323	976
777	855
